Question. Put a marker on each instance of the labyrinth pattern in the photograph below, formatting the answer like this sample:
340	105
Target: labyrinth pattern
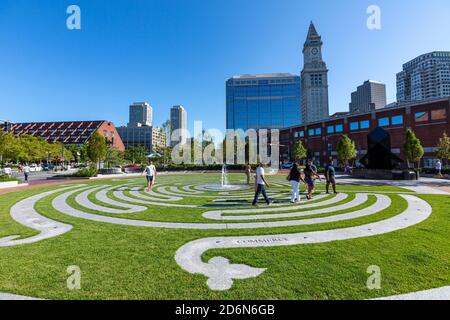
224	210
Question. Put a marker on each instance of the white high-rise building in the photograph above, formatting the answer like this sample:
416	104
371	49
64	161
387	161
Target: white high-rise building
314	79
141	114
369	96
178	121
425	77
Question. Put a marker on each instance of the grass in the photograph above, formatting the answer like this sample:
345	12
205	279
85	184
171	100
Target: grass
122	262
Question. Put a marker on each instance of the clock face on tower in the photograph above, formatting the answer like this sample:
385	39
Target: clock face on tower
314	51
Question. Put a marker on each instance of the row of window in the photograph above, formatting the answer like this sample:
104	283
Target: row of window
354	126
263	81
439	114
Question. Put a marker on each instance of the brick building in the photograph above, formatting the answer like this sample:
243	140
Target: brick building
69	132
428	119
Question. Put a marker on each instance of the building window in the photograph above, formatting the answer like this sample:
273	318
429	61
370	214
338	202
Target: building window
339	128
330	147
330	129
318	131
421	116
302	134
365	124
440	114
397	120
354	126
383	122
311	132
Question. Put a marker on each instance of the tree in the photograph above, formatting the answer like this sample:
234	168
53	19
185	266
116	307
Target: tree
96	148
412	148
299	152
346	150
135	155
443	148
6	146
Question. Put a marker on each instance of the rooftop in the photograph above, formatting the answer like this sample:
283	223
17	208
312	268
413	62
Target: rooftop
263	76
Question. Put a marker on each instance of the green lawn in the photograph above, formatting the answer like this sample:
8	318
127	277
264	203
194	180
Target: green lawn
126	262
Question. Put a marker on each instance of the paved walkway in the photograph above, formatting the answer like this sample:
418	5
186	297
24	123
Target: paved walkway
9	297
433	294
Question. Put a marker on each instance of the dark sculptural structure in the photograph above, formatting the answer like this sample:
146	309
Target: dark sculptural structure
379	155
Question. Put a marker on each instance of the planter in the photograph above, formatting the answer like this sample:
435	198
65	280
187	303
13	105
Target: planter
9	184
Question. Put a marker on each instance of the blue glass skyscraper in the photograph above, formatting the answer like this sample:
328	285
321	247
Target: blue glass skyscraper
265	101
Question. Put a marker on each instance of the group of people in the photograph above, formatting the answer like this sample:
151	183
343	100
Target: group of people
295	177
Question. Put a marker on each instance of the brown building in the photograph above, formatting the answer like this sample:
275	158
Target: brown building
428	119
69	132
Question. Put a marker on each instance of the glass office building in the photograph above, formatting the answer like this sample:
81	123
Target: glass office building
266	101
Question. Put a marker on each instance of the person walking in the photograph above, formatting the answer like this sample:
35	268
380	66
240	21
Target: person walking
150	172
248	172
330	175
294	179
260	184
26	171
438	168
310	176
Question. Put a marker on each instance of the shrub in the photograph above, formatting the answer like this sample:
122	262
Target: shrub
5	178
88	172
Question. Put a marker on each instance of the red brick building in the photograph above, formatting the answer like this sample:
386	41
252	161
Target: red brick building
429	120
69	132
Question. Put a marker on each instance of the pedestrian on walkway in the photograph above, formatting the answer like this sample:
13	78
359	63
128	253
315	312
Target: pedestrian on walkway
26	171
260	184
294	179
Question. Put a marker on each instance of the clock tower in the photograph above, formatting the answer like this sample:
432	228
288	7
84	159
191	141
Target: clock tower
314	80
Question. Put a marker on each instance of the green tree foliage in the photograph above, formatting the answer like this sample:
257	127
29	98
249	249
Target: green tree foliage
135	155
412	148
346	149
443	147
115	158
299	152
96	148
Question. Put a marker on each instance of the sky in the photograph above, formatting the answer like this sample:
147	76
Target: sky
171	52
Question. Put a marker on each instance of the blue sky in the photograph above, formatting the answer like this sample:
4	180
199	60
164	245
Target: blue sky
171	52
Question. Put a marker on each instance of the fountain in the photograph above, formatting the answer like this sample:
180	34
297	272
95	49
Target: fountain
224	184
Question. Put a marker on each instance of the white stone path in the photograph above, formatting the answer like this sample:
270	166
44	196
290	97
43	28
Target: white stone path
24	213
219	271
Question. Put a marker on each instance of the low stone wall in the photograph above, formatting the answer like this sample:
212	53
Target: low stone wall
384	174
9	184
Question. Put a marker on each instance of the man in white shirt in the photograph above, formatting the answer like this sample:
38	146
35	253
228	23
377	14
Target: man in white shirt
438	168
150	172
26	171
260	183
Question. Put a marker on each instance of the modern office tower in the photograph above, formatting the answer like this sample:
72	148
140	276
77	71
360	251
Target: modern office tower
137	137
263	101
369	96
159	138
138	132
140	114
314	79
425	77
178	121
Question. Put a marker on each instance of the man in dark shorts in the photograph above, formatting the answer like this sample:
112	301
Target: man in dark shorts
150	172
310	176
330	175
